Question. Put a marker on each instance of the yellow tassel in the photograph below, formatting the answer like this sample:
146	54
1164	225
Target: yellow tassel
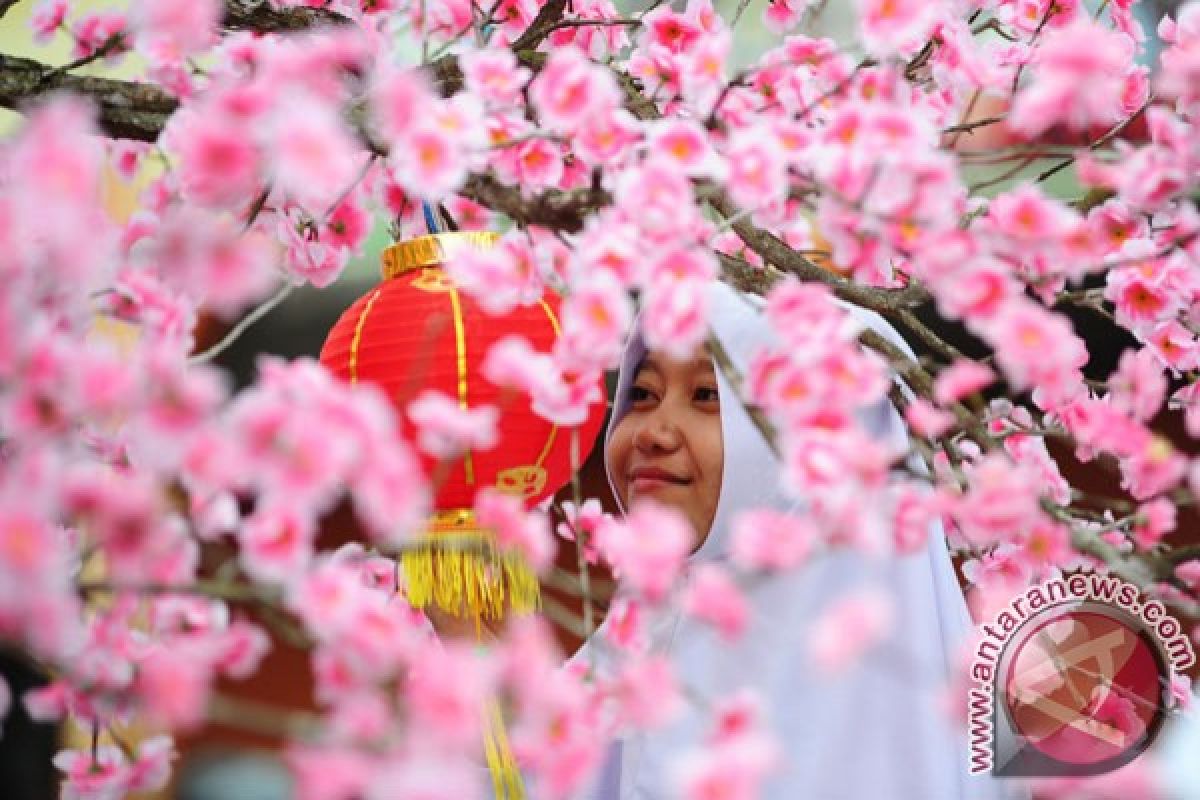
481	583
506	778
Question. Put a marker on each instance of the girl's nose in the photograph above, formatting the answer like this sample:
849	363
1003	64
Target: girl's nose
657	432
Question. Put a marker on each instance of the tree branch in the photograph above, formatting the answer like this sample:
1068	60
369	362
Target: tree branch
260	16
127	110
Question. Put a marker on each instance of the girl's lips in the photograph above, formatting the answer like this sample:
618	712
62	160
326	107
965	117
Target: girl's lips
651	480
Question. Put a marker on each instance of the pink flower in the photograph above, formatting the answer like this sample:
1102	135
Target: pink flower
685	143
736	757
1035	347
398	100
1138	386
607	138
1175	345
539	165
306	257
314	159
670	30
1152	469
1188	399
445	692
647	548
445	430
501	278
675	316
849	627
769	540
757	169
45	19
960	379
276	543
103	775
494	75
347	227
1080	80
1001	501
926	419
887	27
188	25
570	89
1155	520
646	692
515	528
595	318
781	16
712	596
175	686
655	197
95	29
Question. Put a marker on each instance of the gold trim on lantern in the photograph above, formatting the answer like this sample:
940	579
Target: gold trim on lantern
460	352
435	248
357	340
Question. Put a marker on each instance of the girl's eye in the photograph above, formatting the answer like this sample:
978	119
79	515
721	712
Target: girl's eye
706	394
637	394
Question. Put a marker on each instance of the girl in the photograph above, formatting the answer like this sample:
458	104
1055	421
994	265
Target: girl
680	436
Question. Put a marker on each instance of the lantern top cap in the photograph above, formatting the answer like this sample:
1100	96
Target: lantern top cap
430	250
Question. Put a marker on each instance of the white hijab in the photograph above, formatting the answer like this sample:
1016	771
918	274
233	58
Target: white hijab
879	730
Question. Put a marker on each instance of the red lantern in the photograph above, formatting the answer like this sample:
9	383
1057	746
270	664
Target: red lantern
416	331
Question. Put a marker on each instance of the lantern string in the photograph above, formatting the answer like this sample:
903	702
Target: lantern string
431	221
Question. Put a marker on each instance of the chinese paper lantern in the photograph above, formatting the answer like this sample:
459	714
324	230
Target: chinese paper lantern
416	331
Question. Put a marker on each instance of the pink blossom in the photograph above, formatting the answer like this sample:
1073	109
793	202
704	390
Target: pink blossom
607	138
581	524
515	528
1155	519
276	543
313	157
1152	469
94	29
445	430
1001	501
781	16
1036	347
1080	79
684	142
769	540
174	685
539	164
674	316
306	257
848	628
960	379
597	41
570	89
646	692
887	27
188	25
45	19
347	225
595	318
1188	399
712	595
1174	344
757	170
494	75
655	197
398	99
736	758
670	30
1138	385
446	690
647	548
103	775
926	419
501	278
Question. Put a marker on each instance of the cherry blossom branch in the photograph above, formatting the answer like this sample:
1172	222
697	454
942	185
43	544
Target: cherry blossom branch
261	16
254	316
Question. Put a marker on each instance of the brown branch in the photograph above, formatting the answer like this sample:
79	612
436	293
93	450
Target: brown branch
564	211
260	16
541	26
127	110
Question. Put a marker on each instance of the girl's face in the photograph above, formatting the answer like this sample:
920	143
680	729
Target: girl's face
668	446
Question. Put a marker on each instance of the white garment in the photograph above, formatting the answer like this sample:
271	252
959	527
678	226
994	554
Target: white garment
877	731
